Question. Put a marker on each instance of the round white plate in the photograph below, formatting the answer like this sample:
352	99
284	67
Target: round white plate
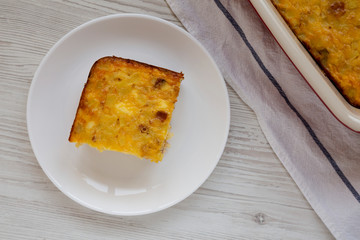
113	182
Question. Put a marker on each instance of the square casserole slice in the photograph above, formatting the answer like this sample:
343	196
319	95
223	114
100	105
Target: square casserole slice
126	106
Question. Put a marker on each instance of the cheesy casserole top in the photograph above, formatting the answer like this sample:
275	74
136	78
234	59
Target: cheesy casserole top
126	106
330	30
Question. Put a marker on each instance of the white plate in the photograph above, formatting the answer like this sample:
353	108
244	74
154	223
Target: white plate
113	182
323	87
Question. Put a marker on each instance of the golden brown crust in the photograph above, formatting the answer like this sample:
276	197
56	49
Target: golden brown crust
126	106
330	31
138	64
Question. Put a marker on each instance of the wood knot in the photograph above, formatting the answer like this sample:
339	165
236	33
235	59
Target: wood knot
260	218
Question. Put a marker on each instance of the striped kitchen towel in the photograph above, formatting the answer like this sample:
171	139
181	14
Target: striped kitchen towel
320	154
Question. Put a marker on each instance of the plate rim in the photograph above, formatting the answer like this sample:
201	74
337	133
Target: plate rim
119	16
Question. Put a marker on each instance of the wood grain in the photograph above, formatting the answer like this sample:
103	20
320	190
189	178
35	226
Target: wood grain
248	196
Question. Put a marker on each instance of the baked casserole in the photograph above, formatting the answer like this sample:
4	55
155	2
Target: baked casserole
126	106
330	31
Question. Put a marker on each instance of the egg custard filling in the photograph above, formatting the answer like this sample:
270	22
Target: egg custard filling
330	31
127	106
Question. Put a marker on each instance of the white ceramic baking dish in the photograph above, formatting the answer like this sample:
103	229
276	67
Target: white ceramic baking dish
322	86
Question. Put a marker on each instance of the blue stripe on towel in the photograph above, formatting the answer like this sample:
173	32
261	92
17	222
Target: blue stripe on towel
282	93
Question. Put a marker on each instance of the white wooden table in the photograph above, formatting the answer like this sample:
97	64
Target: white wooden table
248	196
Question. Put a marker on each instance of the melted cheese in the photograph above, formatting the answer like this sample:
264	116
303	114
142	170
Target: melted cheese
126	106
330	30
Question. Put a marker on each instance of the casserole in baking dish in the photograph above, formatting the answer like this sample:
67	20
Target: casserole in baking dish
330	31
322	39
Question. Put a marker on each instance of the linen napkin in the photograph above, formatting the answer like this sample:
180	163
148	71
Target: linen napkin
320	154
